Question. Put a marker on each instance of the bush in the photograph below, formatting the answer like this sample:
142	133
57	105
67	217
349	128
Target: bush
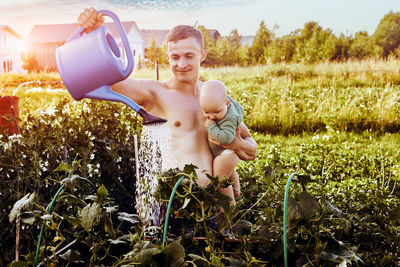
93	137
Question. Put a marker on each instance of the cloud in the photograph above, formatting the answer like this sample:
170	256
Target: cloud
168	4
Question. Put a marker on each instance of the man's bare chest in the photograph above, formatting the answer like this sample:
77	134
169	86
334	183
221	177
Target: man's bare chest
183	111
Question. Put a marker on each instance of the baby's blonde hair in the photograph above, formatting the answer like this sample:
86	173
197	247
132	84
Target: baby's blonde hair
215	89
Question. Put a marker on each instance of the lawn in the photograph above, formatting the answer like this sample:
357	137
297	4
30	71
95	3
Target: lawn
334	124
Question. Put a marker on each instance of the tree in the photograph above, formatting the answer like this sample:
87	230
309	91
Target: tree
387	34
330	45
362	46
156	54
315	44
225	52
29	62
343	46
152	52
243	55
209	45
282	49
260	43
235	39
309	29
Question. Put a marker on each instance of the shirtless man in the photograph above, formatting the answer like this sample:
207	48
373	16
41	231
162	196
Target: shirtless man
177	99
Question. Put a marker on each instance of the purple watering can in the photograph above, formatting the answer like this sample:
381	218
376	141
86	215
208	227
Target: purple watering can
89	64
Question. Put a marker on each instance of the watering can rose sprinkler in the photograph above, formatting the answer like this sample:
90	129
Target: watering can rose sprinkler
89	64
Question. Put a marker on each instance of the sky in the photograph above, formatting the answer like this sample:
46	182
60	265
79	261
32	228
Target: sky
341	16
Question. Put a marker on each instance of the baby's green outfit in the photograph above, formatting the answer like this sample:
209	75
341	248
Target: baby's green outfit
223	131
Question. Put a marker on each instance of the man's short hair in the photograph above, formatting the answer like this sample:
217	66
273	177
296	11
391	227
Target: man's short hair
182	32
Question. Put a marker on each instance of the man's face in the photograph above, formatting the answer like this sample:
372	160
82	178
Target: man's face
184	58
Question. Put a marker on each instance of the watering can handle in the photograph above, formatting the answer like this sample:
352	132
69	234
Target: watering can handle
122	33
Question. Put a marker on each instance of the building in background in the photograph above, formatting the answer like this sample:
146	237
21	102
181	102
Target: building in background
160	37
246	39
43	40
11	47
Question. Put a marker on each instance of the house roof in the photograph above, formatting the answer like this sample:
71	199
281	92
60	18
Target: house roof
159	35
214	34
246	39
59	33
6	28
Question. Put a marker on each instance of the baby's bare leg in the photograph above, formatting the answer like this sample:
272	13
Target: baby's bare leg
234	180
223	167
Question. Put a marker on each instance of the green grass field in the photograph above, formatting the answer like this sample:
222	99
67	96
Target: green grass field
285	98
335	123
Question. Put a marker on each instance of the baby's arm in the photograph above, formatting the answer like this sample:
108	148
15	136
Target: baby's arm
243	144
223	132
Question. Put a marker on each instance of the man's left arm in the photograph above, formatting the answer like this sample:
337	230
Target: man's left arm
243	144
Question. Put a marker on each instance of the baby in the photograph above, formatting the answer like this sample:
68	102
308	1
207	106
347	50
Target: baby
223	115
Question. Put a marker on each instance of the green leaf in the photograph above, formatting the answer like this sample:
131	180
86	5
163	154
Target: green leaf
112	209
71	181
242	228
223	201
72	256
64	167
269	175
214	180
116	241
88	215
46	217
18	264
293	210
24	203
304	208
199	261
308	204
145	255
108	227
304	179
235	262
29	220
72	199
335	210
29	217
190	169
174	254
102	192
222	221
72	220
185	203
131	218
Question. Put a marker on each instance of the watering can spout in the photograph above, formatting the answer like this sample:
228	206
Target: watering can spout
149	118
105	93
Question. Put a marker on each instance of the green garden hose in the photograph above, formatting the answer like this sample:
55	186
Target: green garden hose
49	210
169	209
284	219
42	228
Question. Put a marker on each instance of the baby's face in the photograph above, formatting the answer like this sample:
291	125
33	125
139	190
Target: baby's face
214	109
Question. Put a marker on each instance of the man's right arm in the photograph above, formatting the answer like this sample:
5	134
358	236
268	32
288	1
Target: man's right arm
139	90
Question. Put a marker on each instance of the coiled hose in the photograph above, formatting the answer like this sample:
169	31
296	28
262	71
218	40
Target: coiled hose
284	219
42	228
169	210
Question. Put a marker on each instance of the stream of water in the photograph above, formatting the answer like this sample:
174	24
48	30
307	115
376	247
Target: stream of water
155	156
